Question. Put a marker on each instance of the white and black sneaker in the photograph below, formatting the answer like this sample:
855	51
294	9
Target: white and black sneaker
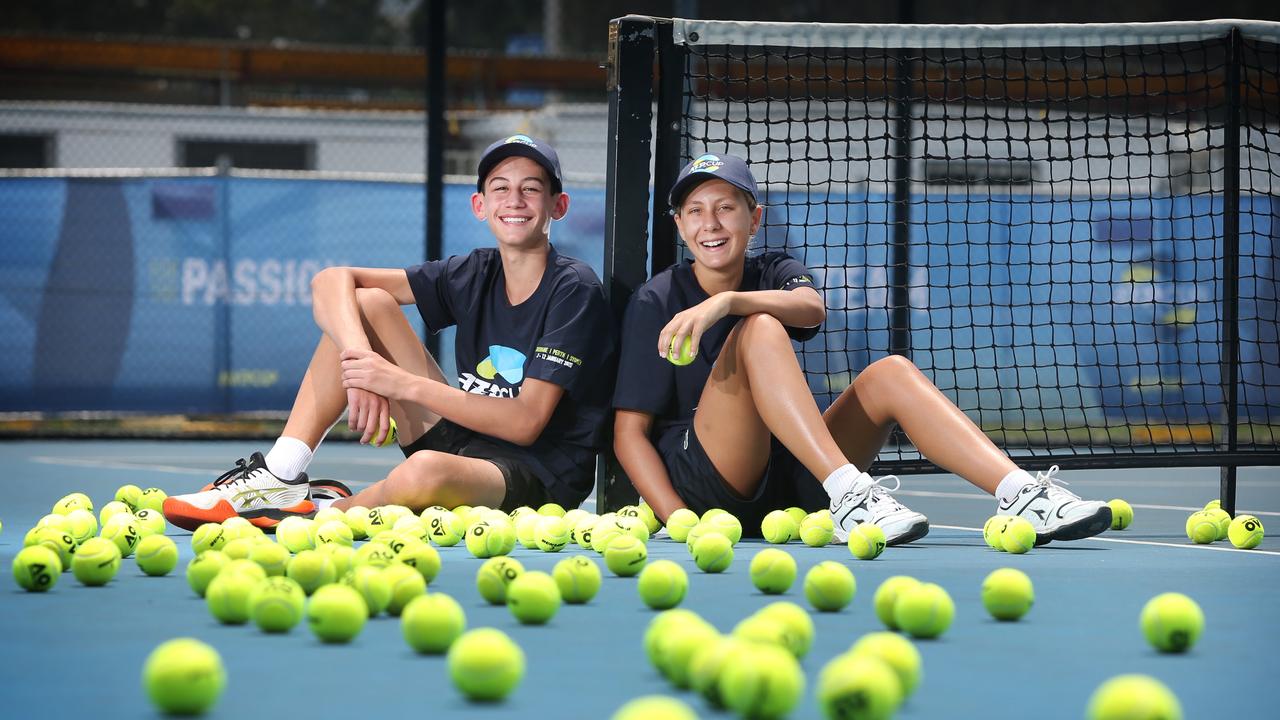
248	490
1057	513
869	501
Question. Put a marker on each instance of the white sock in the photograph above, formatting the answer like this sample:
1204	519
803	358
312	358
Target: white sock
288	458
1008	488
322	503
841	480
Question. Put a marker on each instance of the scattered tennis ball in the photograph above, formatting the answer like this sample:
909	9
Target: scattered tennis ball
1133	697
183	677
533	598
494	576
406	584
886	597
1245	532
712	512
55	521
779	528
293	533
726	525
662	584
924	611
645	513
485	664
59	541
152	499
227	596
130	495
817	530
796	621
695	533
680	522
625	556
1172	622
336	613
151	522
713	553
762	630
706	665
123	530
895	651
1007	594
36	568
311	569
829	586
272	557
1018	536
431	623
239	548
773	571
96	562
677	646
373	553
1121	514
157	555
423	558
654	707
1201	528
578	578
858	686
551	509
82	525
1223	520
372	586
662	624
604	532
992	529
244	567
635	527
764	682
203	569
334	531
276	604
115	507
866	541
73	501
210	536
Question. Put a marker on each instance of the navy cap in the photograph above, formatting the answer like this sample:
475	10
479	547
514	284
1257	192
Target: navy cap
730	168
524	146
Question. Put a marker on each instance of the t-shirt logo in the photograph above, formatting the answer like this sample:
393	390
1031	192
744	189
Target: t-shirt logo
502	361
706	164
522	139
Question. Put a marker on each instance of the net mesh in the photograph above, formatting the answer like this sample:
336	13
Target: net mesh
1060	272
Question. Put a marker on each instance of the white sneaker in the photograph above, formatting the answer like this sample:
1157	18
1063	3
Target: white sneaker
869	501
1056	513
248	490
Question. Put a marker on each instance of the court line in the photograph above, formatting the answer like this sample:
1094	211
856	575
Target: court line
1142	542
988	498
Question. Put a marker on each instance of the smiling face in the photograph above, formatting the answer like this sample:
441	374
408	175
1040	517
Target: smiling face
518	203
716	221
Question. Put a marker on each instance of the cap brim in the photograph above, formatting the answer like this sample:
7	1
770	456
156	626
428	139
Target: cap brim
686	185
490	161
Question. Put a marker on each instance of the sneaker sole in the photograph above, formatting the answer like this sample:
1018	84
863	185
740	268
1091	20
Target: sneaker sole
269	518
190	517
330	488
915	532
1085	527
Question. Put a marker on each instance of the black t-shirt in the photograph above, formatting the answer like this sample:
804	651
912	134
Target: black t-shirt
650	383
563	334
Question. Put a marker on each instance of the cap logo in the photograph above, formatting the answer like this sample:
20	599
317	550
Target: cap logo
706	164
522	139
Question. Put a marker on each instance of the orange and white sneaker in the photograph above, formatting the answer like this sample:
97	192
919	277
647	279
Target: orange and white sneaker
248	490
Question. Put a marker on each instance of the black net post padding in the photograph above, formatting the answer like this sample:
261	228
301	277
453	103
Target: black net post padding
1231	268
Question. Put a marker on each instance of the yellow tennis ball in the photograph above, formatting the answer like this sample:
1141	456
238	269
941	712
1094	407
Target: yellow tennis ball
485	664
1220	516
115	507
431	623
272	557
992	530
604	532
239	548
533	598
727	525
1121	514
157	555
1201	528
635	527
311	569
57	521
765	681
551	533
483	541
829	586
895	651
211	536
123	530
866	541
494	576
276	604
74	501
773	571
244	567
651	707
82	525
390	437
36	568
680	522
686	353
796	622
924	611
373	553
677	646
96	562
662	584
1172	622
713	553
151	522
59	541
886	597
817	530
203	568
130	495
444	529
578	578
343	557
1018	536
779	528
551	509
1245	532
858	686
406	584
337	613
761	629
372	586
334	531
645	513
1133	697
625	556
707	664
1007	594
227	597
664	625
183	677
152	499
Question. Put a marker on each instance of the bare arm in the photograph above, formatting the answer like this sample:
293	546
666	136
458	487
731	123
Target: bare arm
642	463
333	300
801	308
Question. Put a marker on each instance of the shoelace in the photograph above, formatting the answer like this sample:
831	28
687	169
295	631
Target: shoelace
237	474
881	494
1048	480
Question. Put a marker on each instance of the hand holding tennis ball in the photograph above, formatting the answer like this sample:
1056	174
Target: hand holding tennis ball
686	354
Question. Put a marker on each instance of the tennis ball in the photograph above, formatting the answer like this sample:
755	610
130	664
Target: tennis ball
764	682
82	525
779	528
992	530
228	596
1121	514
123	530
654	707
604	532
1245	532
1007	594
377	521
272	557
96	561
210	536
866	541
372	586
115	507
1201	528
239	548
706	665
686	353
59	541
924	611
727	525
663	627
130	495
152	499
55	521
711	512
36	568
829	586
183	677
276	604
389	438
680	522
578	579
858	686
444	530
1018	536
895	651
337	613
583	533
625	556
635	527
761	629
157	555
662	584
817	530
485	664
1133	697
334	531
645	513
203	569
294	533
1172	622
74	501
406	584
713	553
343	557
311	569
413	526
431	623
244	567
423	558
150	522
1223	520
373	553
677	646
551	534
482	541
494	576
773	571
796	622
533	598
552	509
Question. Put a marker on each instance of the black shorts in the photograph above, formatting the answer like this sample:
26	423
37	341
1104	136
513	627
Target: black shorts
523	486
785	482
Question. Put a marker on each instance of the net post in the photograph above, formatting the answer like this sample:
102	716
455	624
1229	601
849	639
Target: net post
668	144
630	87
433	242
1231	265
899	249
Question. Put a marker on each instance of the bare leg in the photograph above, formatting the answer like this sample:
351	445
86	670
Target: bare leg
756	389
433	478
321	399
893	391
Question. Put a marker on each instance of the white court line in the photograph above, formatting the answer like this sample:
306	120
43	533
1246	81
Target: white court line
1142	542
118	465
988	498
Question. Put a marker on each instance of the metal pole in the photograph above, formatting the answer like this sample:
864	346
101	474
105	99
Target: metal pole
435	141
899	251
1231	266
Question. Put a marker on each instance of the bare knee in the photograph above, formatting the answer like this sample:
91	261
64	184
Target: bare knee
376	303
762	327
419	481
893	368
